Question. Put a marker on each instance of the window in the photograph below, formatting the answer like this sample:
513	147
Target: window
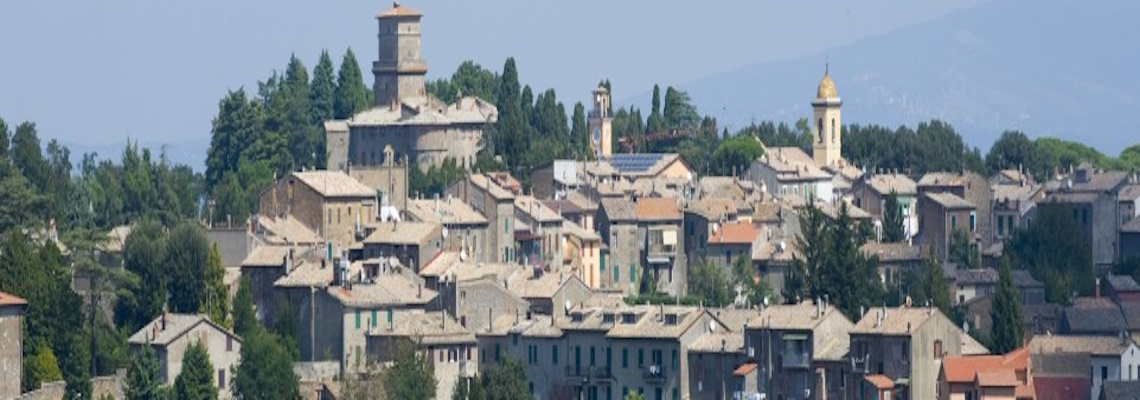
624	359
640	357
374	318
593	361
357	356
1103	373
554	354
675	359
973	220
632	273
833	130
953	222
357	319
229	343
497	352
819	128
338	215
609	357
221	379
617	273
577	357
938	349
1001	226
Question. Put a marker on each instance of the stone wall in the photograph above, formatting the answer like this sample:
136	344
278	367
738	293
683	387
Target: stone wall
11	351
47	391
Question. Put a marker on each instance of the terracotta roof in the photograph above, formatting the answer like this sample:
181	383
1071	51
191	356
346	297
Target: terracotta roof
744	369
440	264
398	10
881	382
997	378
771	212
334	184
962	369
734	233
657	209
11	300
950	201
899	183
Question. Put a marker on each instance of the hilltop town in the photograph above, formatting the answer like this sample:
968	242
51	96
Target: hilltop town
425	239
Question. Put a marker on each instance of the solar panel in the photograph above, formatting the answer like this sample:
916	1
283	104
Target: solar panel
635	163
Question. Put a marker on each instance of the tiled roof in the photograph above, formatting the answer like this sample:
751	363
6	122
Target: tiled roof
1013	192
657	209
1094	315
791	163
980	276
898	320
334	184
712	209
524	285
997	378
11	300
449	211
383	290
1122	283
949	201
483	182
771	212
1101	181
886	183
573	229
176	326
407	232
961	369
881	382
720	342
429	328
1130	192
286	230
1132	226
536	210
398	10
892	252
734	233
469	271
266	256
942	179
1023	279
440	264
618	209
1087	344
1120	390
835	349
832	211
801	317
744	369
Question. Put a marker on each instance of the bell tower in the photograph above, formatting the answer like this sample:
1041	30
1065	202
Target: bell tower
827	123
398	71
599	124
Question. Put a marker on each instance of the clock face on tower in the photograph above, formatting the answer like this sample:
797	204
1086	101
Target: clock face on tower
597	135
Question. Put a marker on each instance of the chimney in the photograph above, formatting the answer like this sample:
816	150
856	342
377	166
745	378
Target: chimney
490	319
165	315
1097	292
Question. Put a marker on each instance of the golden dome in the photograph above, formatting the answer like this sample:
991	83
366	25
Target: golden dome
826	88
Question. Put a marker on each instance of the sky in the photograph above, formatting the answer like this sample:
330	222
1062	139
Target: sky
96	74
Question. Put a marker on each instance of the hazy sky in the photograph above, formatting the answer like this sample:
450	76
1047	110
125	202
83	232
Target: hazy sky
94	73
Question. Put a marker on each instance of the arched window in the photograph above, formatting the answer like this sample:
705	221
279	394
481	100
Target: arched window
820	130
833	131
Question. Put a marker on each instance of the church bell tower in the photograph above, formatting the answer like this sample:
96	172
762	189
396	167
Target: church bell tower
398	71
599	124
827	124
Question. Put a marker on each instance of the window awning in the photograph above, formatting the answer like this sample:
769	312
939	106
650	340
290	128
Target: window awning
669	238
657	260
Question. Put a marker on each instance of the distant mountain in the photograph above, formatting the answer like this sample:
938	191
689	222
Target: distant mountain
1048	68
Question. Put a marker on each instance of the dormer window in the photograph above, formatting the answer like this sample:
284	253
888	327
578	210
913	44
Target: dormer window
670	319
576	317
629	318
607	318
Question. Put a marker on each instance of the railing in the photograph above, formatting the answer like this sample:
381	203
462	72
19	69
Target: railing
654	374
658	249
597	373
796	360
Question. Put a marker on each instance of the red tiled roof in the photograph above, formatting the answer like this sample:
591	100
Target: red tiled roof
1061	388
11	300
657	209
997	378
734	233
962	369
399	11
881	382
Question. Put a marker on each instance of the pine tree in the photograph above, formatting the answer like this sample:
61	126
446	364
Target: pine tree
196	381
215	302
245	321
266	370
188	252
143	377
351	93
411	376
893	230
656	123
579	135
506	381
322	92
1006	313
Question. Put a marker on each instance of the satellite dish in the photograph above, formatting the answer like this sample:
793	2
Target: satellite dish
712	326
765	301
445	232
568	304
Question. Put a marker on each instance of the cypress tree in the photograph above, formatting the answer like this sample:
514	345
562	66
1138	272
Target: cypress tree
1006	313
893	230
351	93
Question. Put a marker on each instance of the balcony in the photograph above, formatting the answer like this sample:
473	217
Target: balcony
654	374
796	360
587	373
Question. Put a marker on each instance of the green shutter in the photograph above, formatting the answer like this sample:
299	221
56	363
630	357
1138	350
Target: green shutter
357	319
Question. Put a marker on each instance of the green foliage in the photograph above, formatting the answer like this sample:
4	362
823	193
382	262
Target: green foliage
143	377
962	251
1014	150
656	122
266	370
188	253
411	376
506	381
322	92
436	180
468	389
1049	250
41	368
27	156
285	328
215	302
196	381
18	199
830	265
1006	333
144	255
745	276
470	79
352	96
634	395
245	321
928	286
679	111
733	155
579	133
933	146
707	282
893	229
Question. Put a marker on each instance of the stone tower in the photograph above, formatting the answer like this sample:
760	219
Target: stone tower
600	131
827	124
398	71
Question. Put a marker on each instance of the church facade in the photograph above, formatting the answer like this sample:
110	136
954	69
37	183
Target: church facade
404	116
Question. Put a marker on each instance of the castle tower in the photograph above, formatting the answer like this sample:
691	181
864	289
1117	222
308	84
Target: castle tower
398	71
827	124
599	124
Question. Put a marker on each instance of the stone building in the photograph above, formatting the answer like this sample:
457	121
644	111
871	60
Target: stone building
486	195
940	215
329	203
11	344
900	350
448	347
404	115
871	192
788	171
661	240
1090	196
414	244
800	350
464	226
828	126
617	226
170	334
